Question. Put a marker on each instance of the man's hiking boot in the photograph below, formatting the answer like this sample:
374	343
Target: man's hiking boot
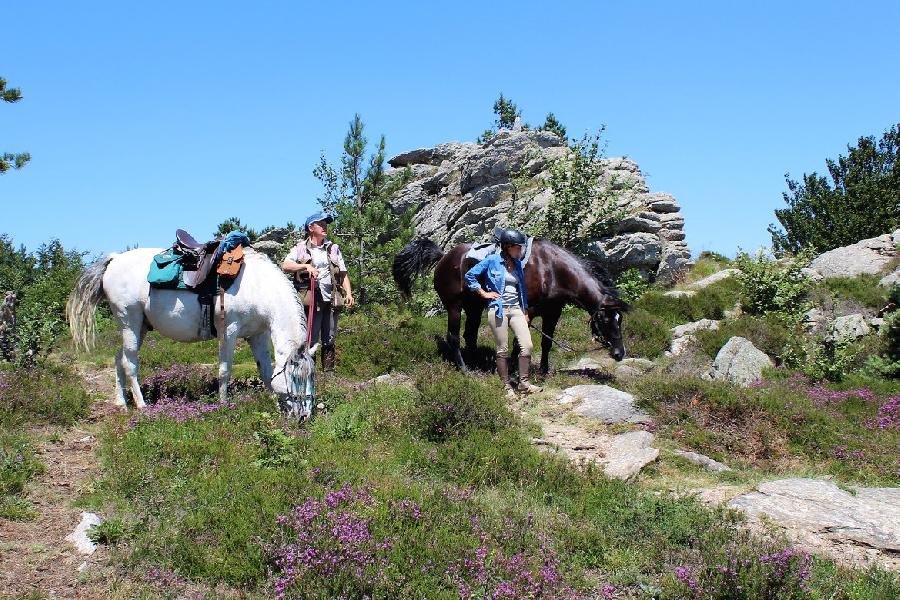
503	372
524	368
328	357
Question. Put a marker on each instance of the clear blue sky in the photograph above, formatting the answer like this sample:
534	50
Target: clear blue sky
142	117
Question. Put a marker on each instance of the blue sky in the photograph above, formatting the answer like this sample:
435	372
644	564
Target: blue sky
145	117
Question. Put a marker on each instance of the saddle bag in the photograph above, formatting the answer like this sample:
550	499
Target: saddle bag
166	270
230	264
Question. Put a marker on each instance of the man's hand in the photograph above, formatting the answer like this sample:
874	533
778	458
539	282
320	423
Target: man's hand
348	300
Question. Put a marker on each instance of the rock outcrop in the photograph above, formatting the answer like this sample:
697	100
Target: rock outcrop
824	517
461	191
870	256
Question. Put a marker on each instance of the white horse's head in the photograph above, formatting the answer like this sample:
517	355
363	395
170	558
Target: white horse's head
295	383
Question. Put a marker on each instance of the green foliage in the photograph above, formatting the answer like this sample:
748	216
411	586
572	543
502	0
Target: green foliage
631	285
234	224
18	465
771	286
863	289
358	195
646	334
831	428
47	392
584	206
553	126
888	364
108	532
861	200
42	282
769	333
10	160
506	111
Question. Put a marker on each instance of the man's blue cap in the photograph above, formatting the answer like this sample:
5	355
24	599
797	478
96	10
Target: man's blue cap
317	216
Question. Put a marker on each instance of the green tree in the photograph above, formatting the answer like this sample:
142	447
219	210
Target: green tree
234	224
505	111
554	126
859	199
10	160
368	231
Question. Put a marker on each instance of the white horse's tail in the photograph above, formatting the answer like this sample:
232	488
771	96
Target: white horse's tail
82	304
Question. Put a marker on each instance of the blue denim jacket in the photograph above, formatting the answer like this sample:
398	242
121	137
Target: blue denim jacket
496	273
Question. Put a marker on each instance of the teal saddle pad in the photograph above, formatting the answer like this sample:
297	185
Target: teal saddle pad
166	271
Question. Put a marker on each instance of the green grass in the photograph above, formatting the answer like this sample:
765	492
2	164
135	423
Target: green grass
863	289
769	333
778	426
49	393
200	498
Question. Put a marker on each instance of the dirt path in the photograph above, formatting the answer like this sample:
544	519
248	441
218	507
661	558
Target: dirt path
35	557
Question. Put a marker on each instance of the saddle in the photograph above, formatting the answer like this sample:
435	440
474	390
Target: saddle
191	265
198	258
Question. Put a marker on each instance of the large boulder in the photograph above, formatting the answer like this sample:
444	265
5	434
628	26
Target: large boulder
850	327
460	192
740	362
869	256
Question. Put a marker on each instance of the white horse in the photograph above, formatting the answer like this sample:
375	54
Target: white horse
260	306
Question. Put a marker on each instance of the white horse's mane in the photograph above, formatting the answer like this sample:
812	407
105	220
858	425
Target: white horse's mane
254	256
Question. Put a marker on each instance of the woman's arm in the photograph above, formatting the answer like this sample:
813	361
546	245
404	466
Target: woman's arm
472	280
348	293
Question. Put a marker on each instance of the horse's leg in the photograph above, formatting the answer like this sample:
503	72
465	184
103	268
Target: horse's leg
548	324
473	322
133	331
259	345
121	394
454	315
226	357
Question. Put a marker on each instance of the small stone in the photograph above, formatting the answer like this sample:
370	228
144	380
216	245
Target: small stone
849	327
83	543
628	453
680	293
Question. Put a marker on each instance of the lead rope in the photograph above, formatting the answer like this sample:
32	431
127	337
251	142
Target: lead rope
312	303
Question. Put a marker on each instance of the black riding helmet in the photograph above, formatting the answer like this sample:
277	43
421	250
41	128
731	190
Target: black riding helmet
511	237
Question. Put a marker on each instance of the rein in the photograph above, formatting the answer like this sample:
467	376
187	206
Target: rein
557	342
312	303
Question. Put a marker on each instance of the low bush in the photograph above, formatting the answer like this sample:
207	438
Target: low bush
48	393
18	464
773	286
769	333
863	289
645	334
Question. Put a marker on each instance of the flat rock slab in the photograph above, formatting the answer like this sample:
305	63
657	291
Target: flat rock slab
704	461
822	514
604	403
627	453
680	293
714	278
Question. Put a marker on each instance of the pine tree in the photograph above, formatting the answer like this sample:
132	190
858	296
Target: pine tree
368	231
554	126
10	160
861	200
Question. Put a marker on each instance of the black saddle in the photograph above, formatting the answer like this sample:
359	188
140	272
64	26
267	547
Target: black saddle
198	257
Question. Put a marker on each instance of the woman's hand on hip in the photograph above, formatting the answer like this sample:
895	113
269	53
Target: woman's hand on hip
489	295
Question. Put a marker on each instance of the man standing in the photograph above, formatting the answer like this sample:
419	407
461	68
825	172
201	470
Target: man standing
319	258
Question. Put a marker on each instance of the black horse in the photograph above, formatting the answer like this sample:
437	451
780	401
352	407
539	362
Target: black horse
553	279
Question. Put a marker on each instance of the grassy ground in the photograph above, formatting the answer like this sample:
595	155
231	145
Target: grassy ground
433	489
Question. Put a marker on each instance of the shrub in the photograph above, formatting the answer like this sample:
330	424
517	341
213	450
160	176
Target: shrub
645	334
631	285
770	286
47	392
452	404
863	289
769	333
888	364
18	464
108	532
179	381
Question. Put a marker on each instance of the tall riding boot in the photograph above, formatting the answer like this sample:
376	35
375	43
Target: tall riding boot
503	372
524	368
328	358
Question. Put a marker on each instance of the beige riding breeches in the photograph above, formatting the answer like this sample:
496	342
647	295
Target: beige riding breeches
514	318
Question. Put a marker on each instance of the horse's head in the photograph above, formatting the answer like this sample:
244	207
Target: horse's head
606	326
295	383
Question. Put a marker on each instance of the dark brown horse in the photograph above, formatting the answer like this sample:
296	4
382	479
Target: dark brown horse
553	278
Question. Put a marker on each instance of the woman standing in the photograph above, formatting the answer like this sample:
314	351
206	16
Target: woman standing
504	290
320	258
